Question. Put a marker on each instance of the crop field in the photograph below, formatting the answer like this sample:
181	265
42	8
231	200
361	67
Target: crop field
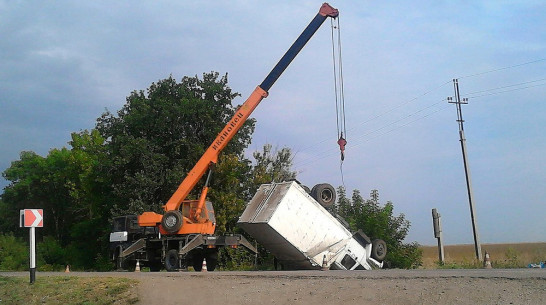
517	255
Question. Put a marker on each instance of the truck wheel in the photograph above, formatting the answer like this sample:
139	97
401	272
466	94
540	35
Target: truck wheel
379	249
172	221
171	260
325	194
306	189
197	262
212	260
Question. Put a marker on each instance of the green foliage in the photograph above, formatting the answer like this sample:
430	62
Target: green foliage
132	162
69	185
158	136
51	255
13	253
271	166
380	222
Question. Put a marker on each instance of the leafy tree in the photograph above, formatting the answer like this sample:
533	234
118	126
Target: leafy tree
158	136
380	222
271	166
69	186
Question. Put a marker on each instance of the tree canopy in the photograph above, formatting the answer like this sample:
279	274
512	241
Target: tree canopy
158	136
133	161
379	222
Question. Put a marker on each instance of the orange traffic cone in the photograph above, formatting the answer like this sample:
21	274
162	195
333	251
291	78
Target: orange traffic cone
67	270
487	261
324	264
204	266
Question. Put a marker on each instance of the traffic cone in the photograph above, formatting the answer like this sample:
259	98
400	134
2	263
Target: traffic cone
137	268
204	266
487	261
67	270
324	264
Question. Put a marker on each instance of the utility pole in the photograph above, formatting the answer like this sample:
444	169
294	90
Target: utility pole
457	101
437	225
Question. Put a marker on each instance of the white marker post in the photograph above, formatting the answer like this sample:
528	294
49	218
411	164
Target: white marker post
32	218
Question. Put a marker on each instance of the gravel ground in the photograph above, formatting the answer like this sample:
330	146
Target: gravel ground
514	286
377	287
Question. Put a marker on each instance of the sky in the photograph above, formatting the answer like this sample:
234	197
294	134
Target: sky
63	63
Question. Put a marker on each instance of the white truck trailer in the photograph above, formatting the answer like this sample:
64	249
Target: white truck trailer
302	234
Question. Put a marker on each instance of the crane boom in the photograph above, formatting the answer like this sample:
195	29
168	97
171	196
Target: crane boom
210	156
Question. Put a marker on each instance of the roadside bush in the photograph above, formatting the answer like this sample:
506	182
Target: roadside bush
51	256
13	253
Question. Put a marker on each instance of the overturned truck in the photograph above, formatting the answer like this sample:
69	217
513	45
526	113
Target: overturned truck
289	222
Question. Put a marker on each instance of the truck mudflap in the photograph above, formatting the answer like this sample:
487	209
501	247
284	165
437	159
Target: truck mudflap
213	241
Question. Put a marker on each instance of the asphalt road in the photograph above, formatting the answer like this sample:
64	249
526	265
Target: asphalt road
373	274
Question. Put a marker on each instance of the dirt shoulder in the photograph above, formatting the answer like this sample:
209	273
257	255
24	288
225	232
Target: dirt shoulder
391	287
512	286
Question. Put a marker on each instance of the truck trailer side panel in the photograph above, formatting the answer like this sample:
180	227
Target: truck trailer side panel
293	226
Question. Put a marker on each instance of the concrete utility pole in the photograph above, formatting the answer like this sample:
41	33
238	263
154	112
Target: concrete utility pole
437	225
457	101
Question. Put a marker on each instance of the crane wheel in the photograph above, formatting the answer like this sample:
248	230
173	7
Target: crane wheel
172	221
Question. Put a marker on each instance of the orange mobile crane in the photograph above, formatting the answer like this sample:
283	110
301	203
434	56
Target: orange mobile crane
185	232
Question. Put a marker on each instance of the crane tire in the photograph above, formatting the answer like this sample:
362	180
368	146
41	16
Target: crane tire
379	249
172	221
325	194
171	260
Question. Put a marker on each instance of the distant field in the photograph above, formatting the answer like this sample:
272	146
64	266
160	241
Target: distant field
502	255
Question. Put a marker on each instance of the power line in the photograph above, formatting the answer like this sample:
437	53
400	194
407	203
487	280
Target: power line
376	133
505	91
328	152
508	86
503	68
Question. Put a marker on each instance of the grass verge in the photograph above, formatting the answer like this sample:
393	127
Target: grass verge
68	290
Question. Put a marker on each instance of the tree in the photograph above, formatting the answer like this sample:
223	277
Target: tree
69	186
271	166
158	136
380	222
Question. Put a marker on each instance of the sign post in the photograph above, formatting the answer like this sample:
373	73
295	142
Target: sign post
32	218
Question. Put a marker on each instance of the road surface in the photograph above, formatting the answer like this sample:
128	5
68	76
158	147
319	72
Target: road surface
491	286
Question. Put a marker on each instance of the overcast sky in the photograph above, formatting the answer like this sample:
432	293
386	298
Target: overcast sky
62	63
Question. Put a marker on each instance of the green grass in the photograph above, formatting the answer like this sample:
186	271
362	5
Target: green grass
68	290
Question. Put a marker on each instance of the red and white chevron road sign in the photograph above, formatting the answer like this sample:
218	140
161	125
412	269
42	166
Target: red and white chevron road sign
33	218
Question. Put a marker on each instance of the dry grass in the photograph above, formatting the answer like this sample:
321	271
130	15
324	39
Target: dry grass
502	255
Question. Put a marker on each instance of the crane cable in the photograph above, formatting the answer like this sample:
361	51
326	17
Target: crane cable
338	87
339	92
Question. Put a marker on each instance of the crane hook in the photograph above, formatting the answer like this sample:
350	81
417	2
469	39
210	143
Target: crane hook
342	142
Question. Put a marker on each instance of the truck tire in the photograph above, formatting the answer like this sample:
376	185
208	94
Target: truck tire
172	221
171	260
197	262
212	260
306	189
379	249
325	194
